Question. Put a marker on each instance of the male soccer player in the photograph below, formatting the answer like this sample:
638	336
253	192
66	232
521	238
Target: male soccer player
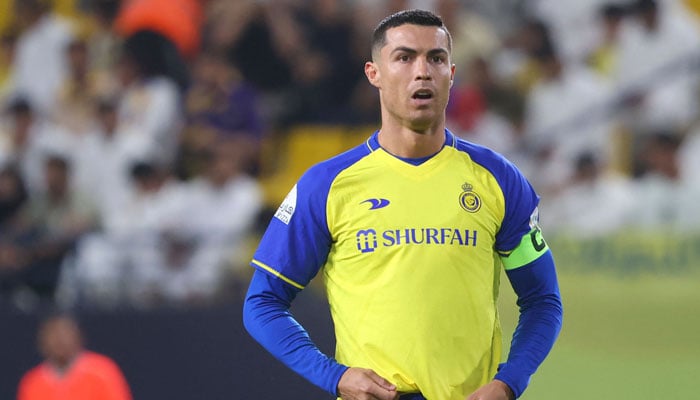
410	230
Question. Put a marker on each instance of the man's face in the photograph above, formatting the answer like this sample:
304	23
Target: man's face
60	340
414	74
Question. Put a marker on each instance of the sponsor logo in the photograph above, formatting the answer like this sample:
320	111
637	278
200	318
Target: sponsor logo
369	240
376	203
285	212
468	199
366	240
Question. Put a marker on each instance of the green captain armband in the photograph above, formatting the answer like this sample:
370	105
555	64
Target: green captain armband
531	247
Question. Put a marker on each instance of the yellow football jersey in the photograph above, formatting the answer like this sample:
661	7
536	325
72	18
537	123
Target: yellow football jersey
410	257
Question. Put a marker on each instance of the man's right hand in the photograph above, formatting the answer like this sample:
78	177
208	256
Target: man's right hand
365	384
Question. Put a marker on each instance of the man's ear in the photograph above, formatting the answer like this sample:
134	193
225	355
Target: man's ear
452	74
372	73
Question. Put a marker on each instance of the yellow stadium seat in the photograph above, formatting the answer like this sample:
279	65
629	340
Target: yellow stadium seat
302	147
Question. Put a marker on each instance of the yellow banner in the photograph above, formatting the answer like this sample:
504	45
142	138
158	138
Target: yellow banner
630	253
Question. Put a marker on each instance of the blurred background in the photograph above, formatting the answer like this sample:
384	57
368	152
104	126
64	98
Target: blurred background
145	144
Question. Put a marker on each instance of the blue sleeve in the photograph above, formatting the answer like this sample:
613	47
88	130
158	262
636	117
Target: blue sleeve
267	318
297	240
520	209
539	324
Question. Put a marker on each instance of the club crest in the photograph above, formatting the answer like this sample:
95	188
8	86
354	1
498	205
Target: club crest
468	199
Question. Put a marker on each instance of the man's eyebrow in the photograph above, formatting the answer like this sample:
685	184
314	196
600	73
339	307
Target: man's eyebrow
404	49
436	52
432	52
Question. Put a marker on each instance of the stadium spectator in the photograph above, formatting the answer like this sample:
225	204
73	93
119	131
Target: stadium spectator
103	160
14	234
474	36
657	69
26	139
665	198
593	203
688	157
121	264
59	216
178	20
566	115
69	371
8	43
197	232
324	71
78	93
261	39
150	108
13	194
42	42
603	57
220	103
103	43
482	94
515	63
38	237
222	208
572	25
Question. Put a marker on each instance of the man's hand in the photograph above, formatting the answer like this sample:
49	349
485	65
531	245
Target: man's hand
365	384
494	390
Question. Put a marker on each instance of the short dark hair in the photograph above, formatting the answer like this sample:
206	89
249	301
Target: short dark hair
57	159
141	170
644	6
412	17
20	106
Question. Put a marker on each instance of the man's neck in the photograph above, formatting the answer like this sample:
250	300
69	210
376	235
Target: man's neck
404	142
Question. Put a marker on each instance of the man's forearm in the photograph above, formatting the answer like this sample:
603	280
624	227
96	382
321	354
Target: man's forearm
539	323
267	318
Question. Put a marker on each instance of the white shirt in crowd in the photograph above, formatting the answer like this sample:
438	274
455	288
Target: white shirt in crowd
42	45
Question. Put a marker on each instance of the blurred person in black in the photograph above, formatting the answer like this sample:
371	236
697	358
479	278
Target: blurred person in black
8	43
37	240
259	38
25	140
152	78
13	232
325	71
219	103
18	276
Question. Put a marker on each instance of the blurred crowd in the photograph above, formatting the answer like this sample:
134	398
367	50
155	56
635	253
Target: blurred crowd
135	134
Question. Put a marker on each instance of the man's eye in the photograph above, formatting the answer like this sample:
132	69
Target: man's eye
438	59
403	58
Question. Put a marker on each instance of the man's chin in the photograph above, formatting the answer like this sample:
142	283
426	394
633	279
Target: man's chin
424	122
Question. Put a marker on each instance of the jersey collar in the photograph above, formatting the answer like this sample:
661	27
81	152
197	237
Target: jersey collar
373	141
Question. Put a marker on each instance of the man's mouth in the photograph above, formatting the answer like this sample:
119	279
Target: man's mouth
422	94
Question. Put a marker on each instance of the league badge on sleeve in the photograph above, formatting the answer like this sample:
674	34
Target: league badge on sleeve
286	209
535	218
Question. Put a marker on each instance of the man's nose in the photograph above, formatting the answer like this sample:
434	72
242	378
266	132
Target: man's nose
422	69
